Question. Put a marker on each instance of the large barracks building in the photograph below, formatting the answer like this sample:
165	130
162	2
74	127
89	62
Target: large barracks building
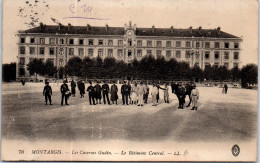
201	47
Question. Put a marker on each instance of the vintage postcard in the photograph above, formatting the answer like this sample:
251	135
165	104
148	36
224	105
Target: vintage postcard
129	80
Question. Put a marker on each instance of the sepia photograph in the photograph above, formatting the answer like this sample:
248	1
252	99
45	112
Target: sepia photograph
129	80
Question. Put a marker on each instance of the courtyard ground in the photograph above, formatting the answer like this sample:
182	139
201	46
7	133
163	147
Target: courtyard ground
220	117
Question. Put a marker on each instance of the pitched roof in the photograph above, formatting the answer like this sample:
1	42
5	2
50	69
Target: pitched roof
94	30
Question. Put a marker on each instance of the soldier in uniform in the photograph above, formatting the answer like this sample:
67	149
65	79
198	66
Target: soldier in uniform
97	89
182	91
125	93
194	97
73	88
113	93
47	92
105	91
91	94
146	93
64	89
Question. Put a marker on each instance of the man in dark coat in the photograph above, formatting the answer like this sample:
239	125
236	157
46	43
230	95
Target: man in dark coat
105	91
64	89
98	89
91	93
125	93
226	88
47	92
73	88
182	95
113	93
82	89
146	93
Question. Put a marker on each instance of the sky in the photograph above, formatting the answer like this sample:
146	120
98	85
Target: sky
237	17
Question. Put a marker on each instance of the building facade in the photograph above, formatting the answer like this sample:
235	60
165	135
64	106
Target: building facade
200	47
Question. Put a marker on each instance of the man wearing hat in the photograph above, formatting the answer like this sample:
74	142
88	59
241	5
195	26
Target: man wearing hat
47	92
105	91
125	93
194	98
98	89
91	92
64	89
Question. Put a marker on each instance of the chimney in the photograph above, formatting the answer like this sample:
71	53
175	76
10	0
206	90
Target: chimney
41	26
88	27
171	29
218	30
59	26
106	27
200	29
153	28
190	29
69	26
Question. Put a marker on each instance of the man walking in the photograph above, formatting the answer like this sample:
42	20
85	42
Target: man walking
64	89
73	88
97	89
91	93
124	92
47	92
194	98
141	91
105	91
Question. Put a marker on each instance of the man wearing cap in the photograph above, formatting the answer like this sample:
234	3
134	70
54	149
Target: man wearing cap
105	91
125	93
47	92
64	89
91	92
194	98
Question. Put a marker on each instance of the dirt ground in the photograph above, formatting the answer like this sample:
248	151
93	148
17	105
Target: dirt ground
219	117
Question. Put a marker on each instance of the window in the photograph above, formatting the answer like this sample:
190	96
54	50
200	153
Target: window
81	52
188	44
100	52
149	43
226	55
71	51
149	52
206	55
32	50
216	64
52	40
42	49
178	44
217	45
90	52
226	64
120	53
139	43
139	53
81	41
178	54
158	53
42	40
197	54
197	44
32	41
159	43
226	45
216	55
236	55
207	44
22	61
110	53
120	42
129	42
51	51
168	54
187	54
207	64
90	42
168	44
236	45
22	50
110	42
71	41
61	41
235	64
22	40
100	42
